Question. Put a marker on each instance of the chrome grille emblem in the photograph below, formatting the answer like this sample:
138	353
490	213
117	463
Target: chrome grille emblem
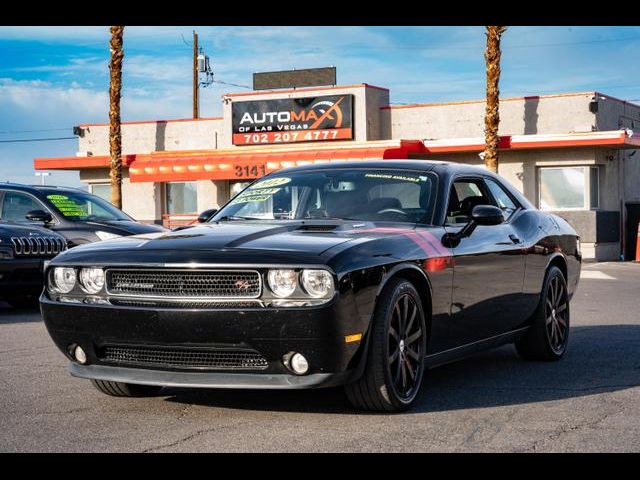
243	284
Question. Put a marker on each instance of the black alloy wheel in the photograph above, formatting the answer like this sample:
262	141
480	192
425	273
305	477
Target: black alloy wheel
548	336
557	314
396	349
405	357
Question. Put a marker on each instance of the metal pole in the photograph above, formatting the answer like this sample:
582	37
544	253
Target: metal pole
195	75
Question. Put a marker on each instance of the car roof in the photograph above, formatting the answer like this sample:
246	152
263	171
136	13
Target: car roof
437	166
444	169
38	188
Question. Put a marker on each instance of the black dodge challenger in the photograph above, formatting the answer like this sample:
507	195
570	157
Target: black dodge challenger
362	274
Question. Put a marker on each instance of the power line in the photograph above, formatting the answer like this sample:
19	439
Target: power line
232	84
37	140
4	132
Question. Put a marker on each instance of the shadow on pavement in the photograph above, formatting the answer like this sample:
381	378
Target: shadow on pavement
9	314
600	359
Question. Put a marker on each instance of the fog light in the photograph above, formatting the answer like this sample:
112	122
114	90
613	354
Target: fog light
299	364
81	357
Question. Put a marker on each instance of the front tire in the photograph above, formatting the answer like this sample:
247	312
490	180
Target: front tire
120	389
395	363
549	334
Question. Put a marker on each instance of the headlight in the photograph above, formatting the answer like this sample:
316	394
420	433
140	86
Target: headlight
106	235
64	279
317	283
92	280
282	282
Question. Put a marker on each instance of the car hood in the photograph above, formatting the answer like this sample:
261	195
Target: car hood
237	242
129	227
9	229
295	237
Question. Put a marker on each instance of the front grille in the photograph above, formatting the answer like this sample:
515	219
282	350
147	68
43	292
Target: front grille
38	246
186	358
184	283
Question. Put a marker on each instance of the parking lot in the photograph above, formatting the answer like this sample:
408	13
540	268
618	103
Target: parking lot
589	401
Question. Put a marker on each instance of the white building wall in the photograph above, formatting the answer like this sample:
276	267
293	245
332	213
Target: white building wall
147	137
518	116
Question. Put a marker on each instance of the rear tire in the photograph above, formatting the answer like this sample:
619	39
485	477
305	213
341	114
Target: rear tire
121	389
395	361
549	333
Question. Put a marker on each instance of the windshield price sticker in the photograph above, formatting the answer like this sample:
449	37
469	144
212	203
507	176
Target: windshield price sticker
271	182
386	176
251	198
266	191
259	195
67	206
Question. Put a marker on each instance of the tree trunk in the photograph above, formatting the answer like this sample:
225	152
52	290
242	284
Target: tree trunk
115	134
492	115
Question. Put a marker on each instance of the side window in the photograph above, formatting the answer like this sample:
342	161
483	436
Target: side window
503	199
17	205
466	194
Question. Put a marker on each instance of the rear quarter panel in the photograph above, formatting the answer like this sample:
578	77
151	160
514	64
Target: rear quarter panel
549	237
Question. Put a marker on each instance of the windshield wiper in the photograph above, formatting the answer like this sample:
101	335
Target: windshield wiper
236	217
331	218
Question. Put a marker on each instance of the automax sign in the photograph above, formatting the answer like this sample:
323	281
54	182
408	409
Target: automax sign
290	120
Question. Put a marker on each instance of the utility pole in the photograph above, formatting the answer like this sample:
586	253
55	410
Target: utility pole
196	100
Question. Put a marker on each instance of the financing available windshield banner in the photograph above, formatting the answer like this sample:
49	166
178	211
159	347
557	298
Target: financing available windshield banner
289	120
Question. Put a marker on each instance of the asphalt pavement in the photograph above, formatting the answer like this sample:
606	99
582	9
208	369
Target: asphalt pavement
587	402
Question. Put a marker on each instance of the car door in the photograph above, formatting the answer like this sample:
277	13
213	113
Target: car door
16	205
488	266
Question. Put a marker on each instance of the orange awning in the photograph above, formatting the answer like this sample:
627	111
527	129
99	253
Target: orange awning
240	164
237	163
76	163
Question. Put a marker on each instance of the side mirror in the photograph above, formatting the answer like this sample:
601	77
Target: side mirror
206	215
39	216
480	215
487	215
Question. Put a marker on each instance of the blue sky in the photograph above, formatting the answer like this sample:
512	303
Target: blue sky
52	78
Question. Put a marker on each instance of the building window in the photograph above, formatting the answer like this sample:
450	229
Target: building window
102	190
568	188
182	197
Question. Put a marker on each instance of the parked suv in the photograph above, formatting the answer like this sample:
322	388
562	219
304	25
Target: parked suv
23	252
77	215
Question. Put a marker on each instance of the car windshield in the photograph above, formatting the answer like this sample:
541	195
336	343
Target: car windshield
347	194
83	207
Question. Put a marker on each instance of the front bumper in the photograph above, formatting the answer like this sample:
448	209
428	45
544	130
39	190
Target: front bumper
316	332
165	378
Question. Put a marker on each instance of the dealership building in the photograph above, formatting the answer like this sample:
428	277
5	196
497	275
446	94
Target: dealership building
573	154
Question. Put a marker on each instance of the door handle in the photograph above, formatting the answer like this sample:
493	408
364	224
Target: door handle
514	238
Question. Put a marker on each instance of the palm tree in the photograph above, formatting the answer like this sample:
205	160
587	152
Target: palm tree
492	115
115	134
